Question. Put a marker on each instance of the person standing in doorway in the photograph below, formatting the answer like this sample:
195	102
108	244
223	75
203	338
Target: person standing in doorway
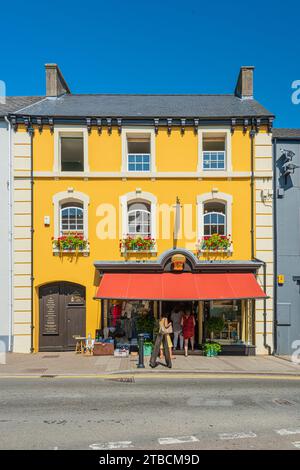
176	316
188	330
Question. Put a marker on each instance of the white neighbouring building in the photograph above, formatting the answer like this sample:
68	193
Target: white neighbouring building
8	266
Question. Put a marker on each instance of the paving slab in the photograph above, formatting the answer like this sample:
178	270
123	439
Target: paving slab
69	363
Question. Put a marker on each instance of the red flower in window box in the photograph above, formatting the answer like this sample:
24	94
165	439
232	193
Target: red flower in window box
71	242
137	243
216	242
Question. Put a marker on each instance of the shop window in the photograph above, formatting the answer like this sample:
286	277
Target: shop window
124	320
71	153
230	313
71	218
214	218
139	219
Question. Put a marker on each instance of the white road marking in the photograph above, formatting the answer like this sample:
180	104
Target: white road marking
287	432
177	440
296	444
112	445
237	435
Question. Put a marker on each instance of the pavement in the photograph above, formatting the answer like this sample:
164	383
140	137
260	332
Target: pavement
69	364
110	414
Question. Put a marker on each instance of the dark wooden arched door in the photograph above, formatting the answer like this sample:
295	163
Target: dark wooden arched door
62	315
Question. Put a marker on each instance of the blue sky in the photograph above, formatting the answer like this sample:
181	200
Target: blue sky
154	46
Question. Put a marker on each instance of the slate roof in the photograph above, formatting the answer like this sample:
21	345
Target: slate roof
282	133
139	106
14	103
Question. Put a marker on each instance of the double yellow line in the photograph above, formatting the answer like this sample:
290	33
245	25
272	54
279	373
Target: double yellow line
162	375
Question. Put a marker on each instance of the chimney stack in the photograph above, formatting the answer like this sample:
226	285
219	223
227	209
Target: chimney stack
55	82
244	86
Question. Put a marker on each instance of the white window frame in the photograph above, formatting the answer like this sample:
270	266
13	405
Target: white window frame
70	131
69	197
143	211
214	197
217	213
226	131
137	196
136	132
71	206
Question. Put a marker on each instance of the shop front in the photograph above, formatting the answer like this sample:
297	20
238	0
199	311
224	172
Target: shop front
220	295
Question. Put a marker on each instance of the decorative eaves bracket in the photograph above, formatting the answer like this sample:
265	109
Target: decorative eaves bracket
119	122
51	125
257	124
183	122
245	125
196	125
109	125
89	125
233	124
39	124
99	125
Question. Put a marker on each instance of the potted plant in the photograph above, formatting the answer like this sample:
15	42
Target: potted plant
214	325
216	242
137	243
212	349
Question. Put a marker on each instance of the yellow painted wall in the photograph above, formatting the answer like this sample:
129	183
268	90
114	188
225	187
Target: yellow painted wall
240	151
173	153
105	152
176	152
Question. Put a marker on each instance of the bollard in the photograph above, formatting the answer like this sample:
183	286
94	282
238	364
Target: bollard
141	364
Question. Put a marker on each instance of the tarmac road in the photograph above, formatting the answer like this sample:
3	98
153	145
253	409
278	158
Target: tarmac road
157	413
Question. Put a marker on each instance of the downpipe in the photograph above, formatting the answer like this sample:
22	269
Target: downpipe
31	134
10	237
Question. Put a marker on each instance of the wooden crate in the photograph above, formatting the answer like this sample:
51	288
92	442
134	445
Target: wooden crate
103	349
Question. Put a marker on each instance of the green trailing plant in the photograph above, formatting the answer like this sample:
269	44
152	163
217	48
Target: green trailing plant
212	349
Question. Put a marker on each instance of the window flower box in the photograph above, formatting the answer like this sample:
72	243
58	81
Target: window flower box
137	244
70	243
215	243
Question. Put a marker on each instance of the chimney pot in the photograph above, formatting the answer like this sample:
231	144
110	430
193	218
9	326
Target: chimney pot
244	86
55	82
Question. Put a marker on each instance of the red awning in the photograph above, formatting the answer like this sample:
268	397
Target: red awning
183	286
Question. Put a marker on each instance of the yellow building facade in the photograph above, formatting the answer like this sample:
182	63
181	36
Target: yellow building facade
176	180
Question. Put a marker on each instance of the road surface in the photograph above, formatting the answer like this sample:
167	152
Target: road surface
160	413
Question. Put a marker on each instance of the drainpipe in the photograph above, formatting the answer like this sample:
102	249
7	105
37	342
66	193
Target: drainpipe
31	134
266	345
275	244
10	238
